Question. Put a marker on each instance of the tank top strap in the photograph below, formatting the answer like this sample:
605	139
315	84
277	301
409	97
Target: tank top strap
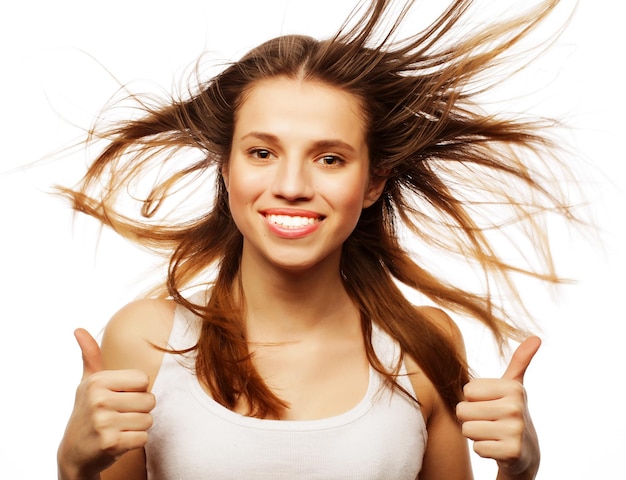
389	353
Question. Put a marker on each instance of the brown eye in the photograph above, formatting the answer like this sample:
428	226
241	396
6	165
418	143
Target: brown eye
330	160
261	154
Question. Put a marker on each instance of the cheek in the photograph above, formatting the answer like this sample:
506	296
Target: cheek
243	190
243	184
238	195
238	205
349	197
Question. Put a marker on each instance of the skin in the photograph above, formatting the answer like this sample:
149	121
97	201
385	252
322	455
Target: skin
298	151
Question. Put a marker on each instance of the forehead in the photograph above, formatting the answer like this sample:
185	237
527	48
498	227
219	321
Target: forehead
286	104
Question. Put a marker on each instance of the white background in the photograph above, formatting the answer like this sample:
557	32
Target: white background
53	278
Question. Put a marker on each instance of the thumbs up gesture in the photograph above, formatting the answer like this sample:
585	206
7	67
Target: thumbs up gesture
495	416
111	415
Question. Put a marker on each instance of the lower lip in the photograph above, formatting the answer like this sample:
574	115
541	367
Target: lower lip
292	233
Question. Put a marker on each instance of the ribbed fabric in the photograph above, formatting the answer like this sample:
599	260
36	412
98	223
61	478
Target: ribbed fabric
194	437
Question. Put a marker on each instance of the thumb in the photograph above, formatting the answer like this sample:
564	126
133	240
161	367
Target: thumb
521	359
92	356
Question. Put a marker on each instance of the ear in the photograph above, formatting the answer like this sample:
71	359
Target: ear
224	172
374	190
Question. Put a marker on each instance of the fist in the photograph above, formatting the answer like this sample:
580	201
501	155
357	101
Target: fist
495	415
111	413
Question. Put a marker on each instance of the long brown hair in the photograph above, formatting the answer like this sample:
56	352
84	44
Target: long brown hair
445	160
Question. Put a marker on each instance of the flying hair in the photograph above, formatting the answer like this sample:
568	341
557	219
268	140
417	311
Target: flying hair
455	174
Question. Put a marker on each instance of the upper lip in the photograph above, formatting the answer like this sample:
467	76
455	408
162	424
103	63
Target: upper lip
292	212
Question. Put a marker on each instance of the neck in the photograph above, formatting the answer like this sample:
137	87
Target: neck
289	305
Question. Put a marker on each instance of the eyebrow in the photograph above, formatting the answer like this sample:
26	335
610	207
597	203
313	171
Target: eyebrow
326	143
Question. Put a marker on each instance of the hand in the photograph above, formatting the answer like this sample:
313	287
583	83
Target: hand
495	416
111	415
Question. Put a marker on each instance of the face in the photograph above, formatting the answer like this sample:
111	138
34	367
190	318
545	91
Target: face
298	175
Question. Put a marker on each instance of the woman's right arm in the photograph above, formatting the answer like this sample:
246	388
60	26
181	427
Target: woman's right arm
107	429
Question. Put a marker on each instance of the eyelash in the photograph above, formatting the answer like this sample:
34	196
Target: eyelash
336	159
257	152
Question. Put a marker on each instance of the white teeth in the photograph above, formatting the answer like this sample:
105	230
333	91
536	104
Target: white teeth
288	221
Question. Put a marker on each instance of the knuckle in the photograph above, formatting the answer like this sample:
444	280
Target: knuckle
101	421
517	389
93	381
512	437
98	398
512	410
110	443
516	430
98	402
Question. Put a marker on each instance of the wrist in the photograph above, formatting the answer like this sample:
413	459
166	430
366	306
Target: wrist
65	473
69	471
526	466
517	472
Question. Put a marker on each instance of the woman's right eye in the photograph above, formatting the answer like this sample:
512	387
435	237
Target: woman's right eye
260	153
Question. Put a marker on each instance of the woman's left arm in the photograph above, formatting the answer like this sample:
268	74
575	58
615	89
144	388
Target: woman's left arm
447	455
495	416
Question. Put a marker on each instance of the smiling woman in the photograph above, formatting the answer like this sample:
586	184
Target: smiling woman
303	358
299	159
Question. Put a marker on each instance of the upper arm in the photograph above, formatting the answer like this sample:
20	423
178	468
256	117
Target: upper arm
131	334
128	343
447	454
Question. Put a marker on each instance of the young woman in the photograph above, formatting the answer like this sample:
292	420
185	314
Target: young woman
302	358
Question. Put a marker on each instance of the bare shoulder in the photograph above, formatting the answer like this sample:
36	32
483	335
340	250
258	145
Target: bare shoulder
446	325
447	453
132	334
425	391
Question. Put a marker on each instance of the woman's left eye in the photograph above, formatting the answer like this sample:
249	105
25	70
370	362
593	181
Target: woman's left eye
330	160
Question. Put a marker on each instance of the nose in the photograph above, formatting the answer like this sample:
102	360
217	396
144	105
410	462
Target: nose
292	180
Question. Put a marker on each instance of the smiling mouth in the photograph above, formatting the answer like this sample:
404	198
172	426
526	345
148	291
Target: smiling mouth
292	221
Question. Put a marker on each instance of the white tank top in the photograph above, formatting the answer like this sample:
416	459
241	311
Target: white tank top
194	437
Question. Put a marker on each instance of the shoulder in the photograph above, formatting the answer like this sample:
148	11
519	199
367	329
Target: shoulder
133	336
425	391
445	439
446	325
